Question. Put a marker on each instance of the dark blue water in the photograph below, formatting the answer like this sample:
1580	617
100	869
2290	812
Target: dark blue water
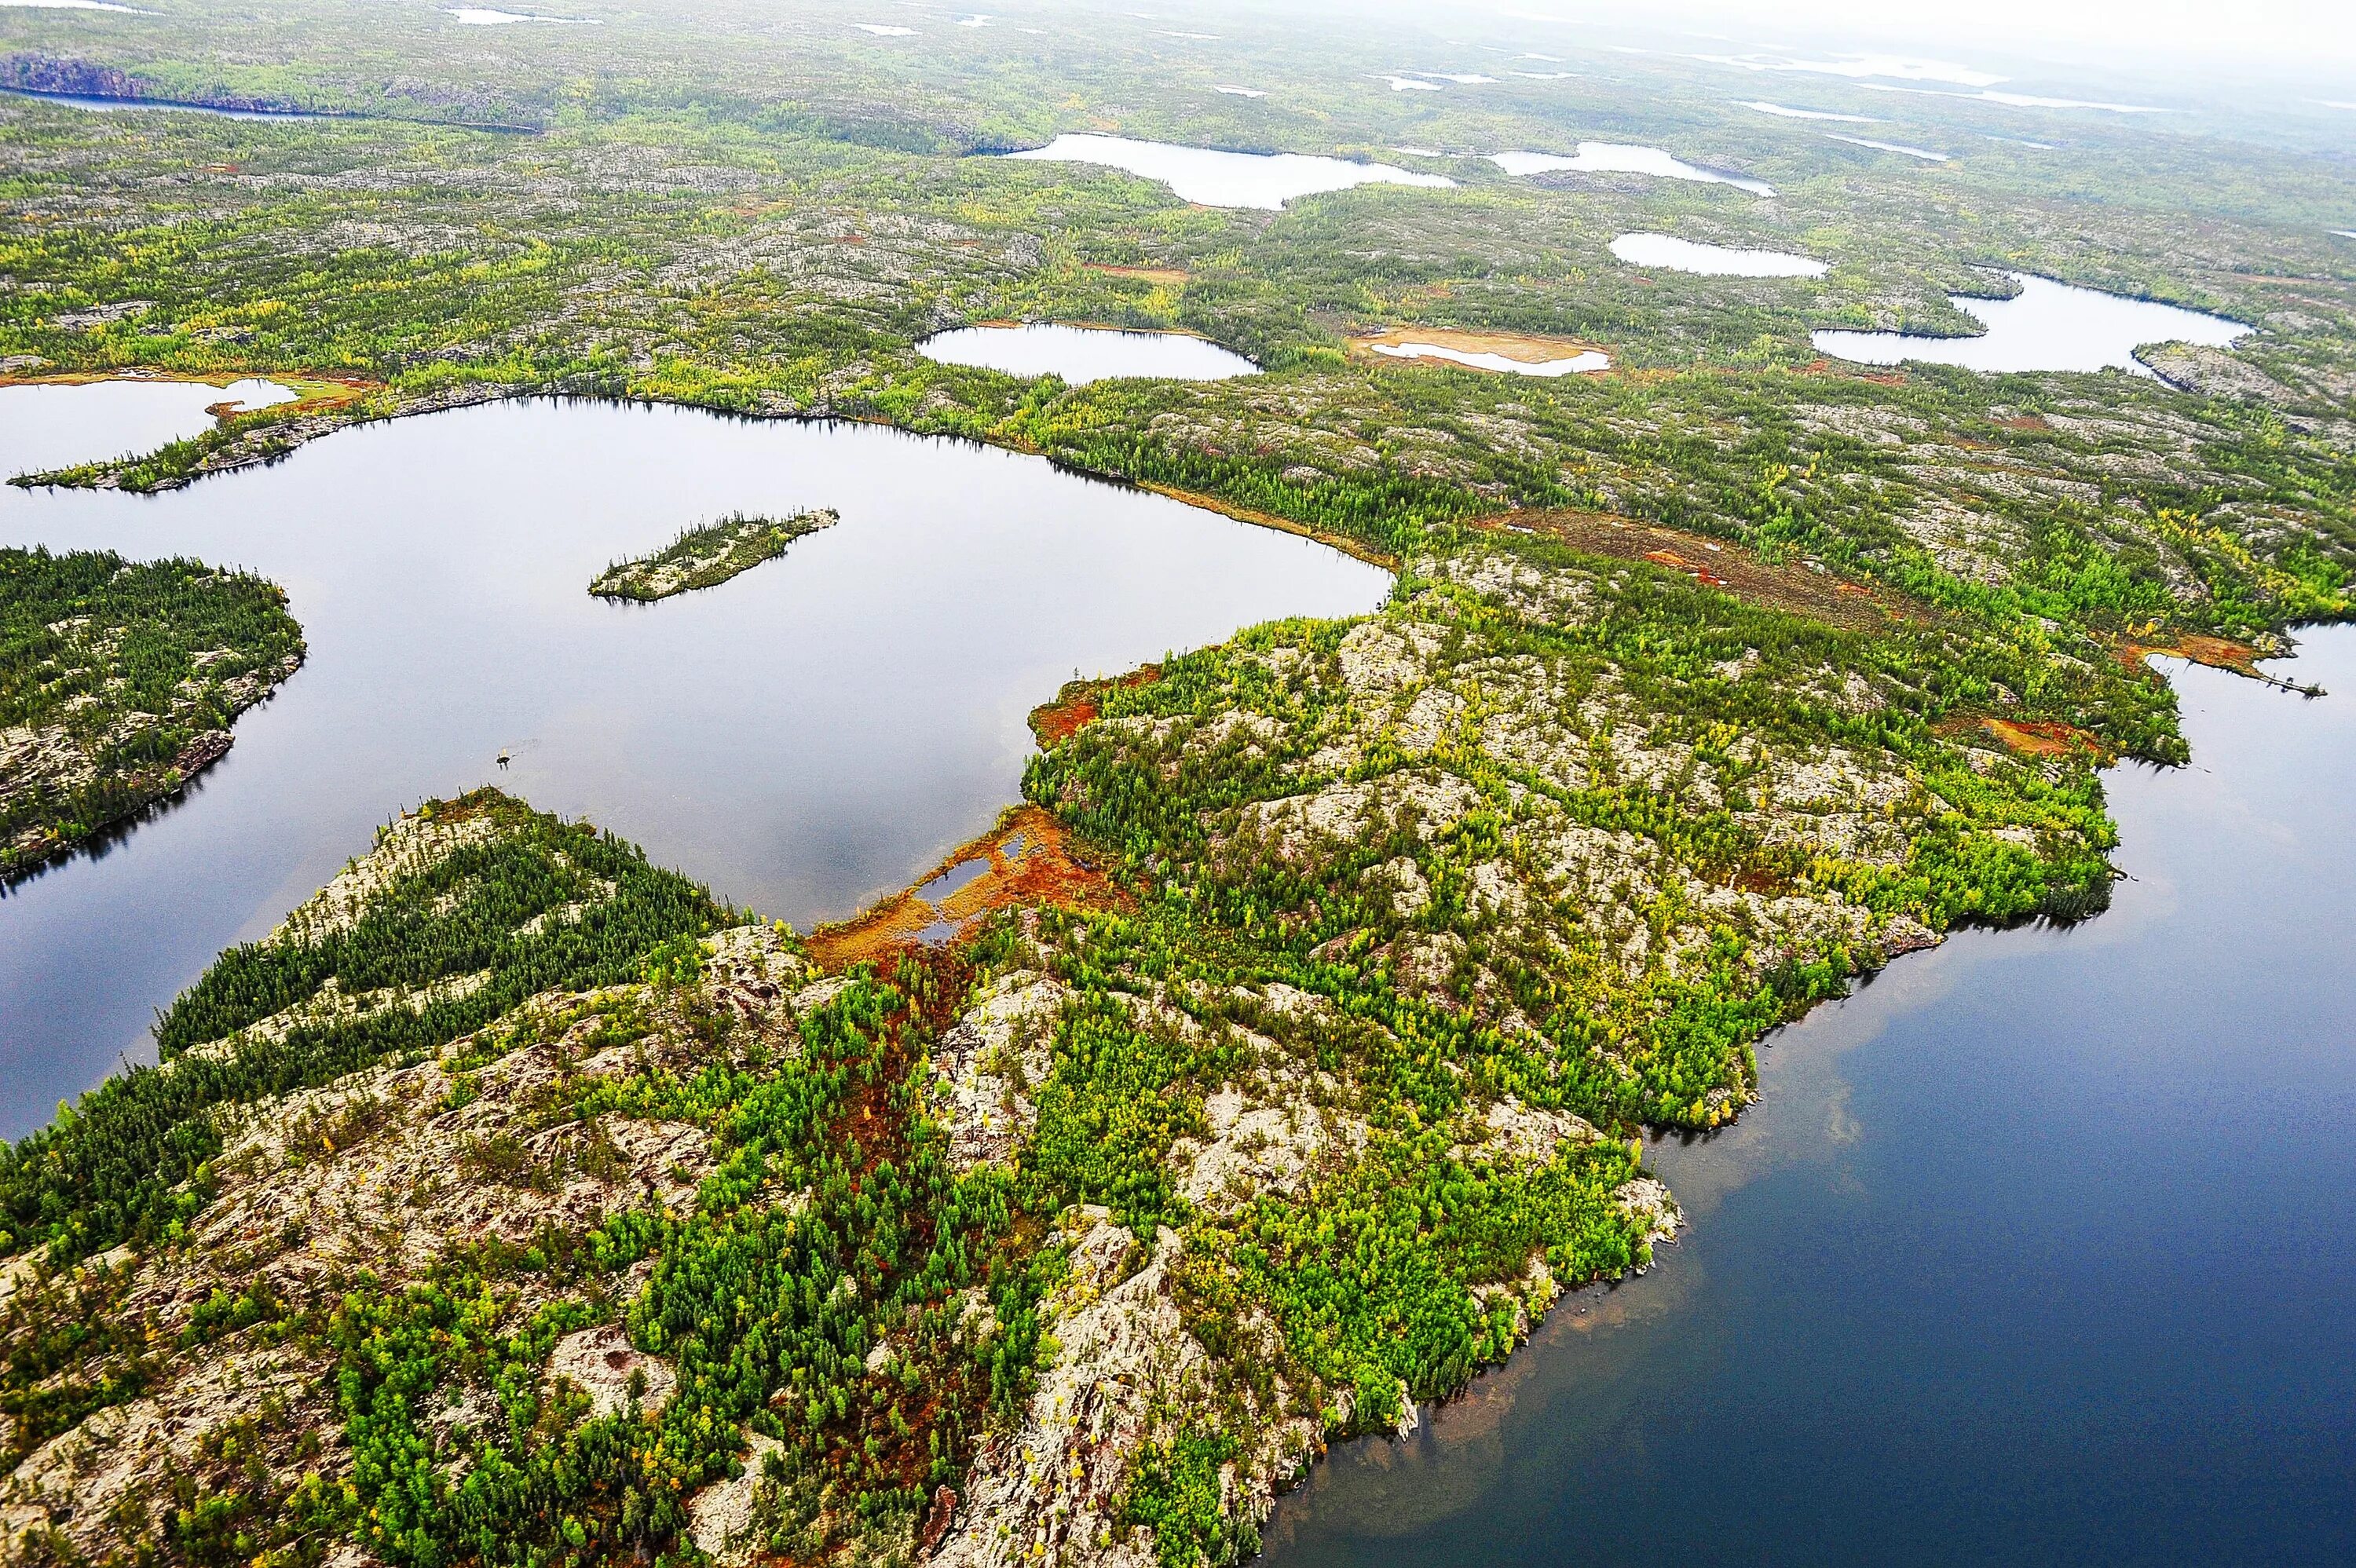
2040	1249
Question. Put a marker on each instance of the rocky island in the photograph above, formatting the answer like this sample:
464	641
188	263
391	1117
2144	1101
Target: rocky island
707	556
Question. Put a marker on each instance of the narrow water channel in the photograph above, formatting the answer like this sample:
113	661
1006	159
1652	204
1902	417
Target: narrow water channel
2038	1249
808	736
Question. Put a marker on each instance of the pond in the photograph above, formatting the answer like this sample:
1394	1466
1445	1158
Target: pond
809	735
1718	261
1214	178
2046	326
59	425
1084	354
1618	158
2037	1251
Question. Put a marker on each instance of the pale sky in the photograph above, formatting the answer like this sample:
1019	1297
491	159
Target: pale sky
2301	33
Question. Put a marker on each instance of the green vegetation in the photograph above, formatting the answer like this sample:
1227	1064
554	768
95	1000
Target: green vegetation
1709	685
707	556
118	682
519	905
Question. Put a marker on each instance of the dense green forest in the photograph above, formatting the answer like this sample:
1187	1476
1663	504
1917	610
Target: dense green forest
118	681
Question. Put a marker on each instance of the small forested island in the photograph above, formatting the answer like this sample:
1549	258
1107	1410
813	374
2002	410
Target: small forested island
707	556
119	681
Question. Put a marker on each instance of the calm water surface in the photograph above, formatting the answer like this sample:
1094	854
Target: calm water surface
1225	179
1718	261
2046	326
1618	158
804	737
44	428
110	105
2038	1250
1082	354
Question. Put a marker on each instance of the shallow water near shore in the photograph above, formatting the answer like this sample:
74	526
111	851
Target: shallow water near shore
2046	326
2038	1249
1084	354
805	737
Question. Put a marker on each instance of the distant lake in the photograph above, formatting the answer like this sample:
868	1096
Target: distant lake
1925	153
1619	157
2047	326
1586	360
1084	354
817	732
1720	260
2037	1252
109	105
1215	178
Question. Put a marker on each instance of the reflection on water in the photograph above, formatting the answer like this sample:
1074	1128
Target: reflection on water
1718	260
57	425
803	738
2047	326
1082	354
2038	1249
1616	158
1225	179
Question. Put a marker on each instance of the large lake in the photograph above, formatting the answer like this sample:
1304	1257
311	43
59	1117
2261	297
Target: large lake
2046	326
815	732
2040	1250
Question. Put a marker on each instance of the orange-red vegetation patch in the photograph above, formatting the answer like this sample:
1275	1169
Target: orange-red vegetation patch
2044	737
2025	422
1793	586
1677	563
1079	701
1169	276
1028	862
2027	737
2218	652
